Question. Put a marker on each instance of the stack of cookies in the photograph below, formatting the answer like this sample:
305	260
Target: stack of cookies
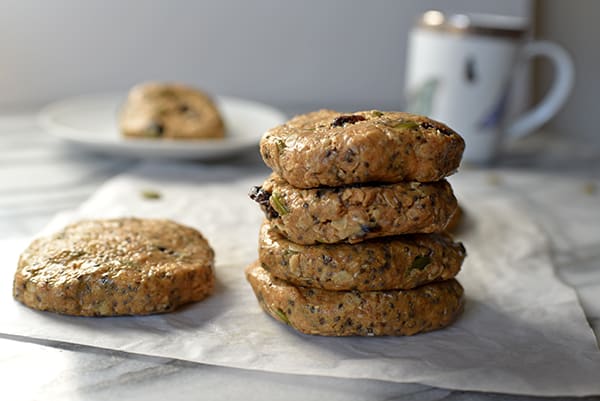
353	242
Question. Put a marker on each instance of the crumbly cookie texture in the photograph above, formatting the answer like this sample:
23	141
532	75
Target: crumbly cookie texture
328	148
352	313
170	111
400	262
124	266
354	213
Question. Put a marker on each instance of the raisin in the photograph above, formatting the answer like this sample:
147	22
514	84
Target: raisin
347	119
365	229
260	196
445	131
442	130
349	156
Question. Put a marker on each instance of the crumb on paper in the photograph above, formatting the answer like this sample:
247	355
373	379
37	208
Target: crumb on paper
151	194
494	179
590	188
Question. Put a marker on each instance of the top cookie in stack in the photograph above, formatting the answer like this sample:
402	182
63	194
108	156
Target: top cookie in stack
350	196
327	148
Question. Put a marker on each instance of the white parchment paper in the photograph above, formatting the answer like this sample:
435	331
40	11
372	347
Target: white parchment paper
522	331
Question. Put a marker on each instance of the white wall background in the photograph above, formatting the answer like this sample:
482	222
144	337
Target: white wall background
574	24
288	53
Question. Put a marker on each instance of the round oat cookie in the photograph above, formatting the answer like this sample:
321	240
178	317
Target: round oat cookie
354	213
390	263
124	266
171	111
353	313
328	148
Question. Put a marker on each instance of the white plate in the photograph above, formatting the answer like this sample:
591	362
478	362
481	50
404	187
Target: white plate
91	121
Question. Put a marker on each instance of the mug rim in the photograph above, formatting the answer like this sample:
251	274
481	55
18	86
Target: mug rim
495	25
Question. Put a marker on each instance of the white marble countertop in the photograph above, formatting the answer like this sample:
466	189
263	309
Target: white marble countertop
40	177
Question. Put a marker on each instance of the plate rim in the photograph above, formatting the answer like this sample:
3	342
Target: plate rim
46	118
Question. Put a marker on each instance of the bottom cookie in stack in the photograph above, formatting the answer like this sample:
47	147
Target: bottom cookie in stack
354	313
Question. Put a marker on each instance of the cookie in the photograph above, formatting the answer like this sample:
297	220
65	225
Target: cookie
114	267
353	313
390	263
328	148
354	213
170	111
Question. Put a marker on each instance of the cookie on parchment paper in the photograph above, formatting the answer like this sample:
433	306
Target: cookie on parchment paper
353	313
125	266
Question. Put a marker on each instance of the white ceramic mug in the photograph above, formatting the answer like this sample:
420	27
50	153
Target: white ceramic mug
460	70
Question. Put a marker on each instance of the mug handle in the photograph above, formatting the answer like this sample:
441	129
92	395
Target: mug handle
564	73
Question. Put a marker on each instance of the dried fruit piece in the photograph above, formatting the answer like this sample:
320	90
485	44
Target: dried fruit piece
260	196
347	119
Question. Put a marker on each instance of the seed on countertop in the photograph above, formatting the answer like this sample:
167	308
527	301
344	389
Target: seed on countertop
494	179
151	194
590	188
